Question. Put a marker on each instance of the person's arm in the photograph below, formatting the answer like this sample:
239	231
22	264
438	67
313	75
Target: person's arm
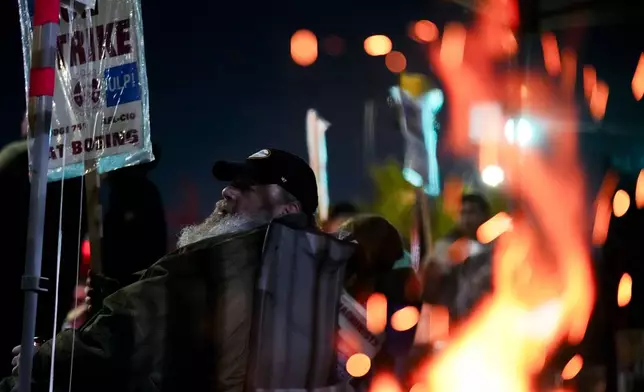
101	350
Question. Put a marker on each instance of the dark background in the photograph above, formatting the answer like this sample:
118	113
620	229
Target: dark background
222	85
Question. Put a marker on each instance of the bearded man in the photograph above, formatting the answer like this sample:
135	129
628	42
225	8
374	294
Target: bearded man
185	325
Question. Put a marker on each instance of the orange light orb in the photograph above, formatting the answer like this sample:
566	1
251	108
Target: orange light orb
304	47
377	45
621	203
395	62
358	365
424	31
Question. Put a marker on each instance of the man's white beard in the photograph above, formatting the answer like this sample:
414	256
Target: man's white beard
217	224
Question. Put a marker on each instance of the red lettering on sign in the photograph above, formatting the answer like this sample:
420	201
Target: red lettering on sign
96	143
109	40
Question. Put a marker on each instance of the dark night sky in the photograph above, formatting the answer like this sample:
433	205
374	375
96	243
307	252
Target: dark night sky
222	84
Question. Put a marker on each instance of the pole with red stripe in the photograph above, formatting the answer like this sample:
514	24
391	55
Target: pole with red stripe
41	95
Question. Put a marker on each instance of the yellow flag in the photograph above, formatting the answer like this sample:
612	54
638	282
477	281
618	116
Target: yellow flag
415	84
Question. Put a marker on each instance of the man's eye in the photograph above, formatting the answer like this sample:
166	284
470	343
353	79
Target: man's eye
243	185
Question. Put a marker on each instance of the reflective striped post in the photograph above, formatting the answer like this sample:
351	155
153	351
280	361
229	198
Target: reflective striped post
41	93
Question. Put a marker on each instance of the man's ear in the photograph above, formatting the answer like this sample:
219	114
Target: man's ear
290	208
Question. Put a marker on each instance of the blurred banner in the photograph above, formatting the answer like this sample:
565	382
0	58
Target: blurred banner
417	119
417	106
316	127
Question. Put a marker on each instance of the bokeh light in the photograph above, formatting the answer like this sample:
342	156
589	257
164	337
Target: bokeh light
304	47
624	290
405	318
358	365
376	313
453	45
424	31
621	203
377	45
395	62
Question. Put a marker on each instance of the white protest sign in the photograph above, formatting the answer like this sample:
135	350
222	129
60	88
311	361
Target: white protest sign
98	100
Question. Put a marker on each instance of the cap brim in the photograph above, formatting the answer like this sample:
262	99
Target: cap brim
229	171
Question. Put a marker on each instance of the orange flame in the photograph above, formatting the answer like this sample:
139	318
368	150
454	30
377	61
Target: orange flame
598	100
453	45
603	208
494	227
544	290
551	53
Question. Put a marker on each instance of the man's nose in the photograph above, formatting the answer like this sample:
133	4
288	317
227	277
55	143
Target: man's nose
230	193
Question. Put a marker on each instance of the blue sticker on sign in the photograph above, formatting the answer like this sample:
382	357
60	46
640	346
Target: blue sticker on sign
122	84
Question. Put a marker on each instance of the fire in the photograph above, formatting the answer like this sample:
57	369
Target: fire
542	277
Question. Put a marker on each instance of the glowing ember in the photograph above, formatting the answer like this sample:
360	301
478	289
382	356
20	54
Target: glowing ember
639	190
551	53
376	313
624	290
603	209
621	202
572	368
494	227
638	79
405	318
358	365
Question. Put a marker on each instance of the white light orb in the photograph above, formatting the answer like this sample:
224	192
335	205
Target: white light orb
492	175
524	132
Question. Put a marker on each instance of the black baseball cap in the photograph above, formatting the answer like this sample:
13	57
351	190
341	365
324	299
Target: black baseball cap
271	166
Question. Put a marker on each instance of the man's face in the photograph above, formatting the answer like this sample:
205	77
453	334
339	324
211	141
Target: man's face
246	198
471	218
244	206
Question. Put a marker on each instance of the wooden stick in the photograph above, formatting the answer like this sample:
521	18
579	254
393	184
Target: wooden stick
94	215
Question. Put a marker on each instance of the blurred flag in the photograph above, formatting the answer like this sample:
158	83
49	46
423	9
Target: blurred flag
417	118
316	127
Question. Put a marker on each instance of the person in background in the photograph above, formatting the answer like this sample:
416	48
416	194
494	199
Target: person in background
338	215
14	177
376	272
134	227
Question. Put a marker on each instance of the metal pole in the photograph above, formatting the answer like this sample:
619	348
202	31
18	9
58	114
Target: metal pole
41	92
